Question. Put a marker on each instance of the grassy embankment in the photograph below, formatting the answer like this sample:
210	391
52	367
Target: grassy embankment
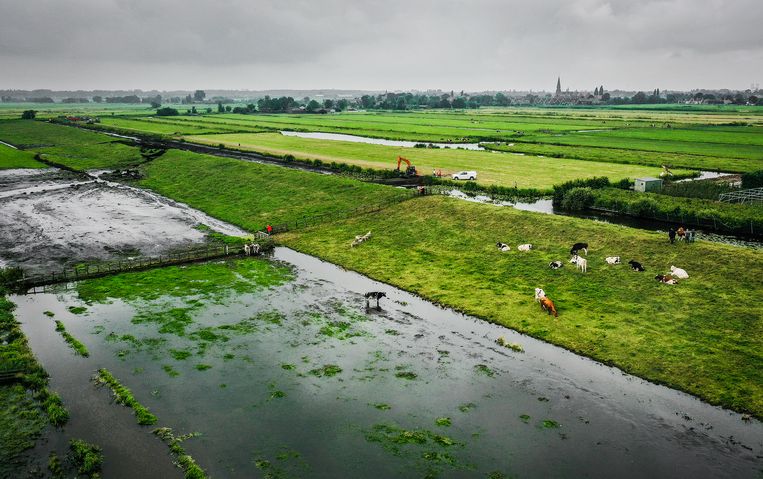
252	195
11	158
703	336
492	168
78	149
734	217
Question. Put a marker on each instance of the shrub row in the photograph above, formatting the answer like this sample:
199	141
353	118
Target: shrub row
691	211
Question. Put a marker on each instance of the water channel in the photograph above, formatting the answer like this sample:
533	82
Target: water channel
379	141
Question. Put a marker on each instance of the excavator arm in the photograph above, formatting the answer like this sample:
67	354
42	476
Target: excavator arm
400	159
410	170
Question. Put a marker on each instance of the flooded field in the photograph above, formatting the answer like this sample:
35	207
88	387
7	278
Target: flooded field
52	218
282	370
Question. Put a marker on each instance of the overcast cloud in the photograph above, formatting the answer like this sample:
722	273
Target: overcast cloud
393	44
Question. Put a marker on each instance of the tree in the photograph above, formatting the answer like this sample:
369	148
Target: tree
227	108
639	97
209	110
313	106
199	95
328	104
502	100
97	99
220	107
28	115
167	111
155	104
342	104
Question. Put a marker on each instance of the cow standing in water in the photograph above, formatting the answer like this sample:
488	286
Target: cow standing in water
377	295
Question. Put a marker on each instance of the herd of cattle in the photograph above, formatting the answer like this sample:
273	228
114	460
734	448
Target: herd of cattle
581	264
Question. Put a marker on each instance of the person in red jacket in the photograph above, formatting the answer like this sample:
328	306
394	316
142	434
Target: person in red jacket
269	229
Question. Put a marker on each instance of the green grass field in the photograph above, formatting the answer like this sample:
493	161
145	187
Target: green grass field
703	335
72	147
12	158
252	195
493	168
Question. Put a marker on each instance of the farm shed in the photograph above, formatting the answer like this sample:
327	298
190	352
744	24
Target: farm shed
647	184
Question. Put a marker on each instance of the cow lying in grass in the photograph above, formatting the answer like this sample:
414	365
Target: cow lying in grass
612	259
524	247
581	263
666	278
679	273
555	264
503	246
360	238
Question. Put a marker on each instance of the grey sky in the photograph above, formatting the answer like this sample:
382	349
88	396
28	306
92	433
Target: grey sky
392	44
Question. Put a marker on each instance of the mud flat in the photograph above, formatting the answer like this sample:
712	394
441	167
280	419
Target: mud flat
53	218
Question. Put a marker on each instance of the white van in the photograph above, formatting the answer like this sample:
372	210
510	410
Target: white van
465	175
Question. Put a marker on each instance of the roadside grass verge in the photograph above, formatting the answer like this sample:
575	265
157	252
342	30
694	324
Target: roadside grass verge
73	342
124	396
251	195
701	336
492	168
11	158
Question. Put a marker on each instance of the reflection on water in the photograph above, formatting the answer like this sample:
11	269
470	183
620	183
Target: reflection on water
378	141
298	379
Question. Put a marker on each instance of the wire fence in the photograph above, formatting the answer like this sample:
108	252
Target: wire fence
748	227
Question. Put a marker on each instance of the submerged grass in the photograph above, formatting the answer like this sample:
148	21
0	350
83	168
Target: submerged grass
700	336
191	470
73	342
124	396
86	457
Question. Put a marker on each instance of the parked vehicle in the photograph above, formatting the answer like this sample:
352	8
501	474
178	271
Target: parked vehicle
465	175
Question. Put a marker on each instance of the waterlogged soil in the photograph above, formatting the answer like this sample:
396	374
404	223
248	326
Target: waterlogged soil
284	372
379	141
53	218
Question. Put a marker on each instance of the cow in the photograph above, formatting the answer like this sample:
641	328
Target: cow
666	278
612	259
681	232
503	246
577	247
555	264
360	238
539	294
247	251
581	263
547	305
636	266
679	273
377	295
524	247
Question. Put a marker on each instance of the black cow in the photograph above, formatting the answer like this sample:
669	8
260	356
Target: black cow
636	266
577	247
377	295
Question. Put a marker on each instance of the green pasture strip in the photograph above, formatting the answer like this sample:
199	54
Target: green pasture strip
11	158
492	168
251	195
729	135
70	146
702	335
606	140
636	157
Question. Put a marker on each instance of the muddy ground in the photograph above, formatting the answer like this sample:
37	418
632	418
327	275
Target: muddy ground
53	218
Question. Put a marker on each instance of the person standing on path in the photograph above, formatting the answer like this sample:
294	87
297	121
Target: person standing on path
672	235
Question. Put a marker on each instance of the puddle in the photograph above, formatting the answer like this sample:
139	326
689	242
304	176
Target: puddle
379	141
292	376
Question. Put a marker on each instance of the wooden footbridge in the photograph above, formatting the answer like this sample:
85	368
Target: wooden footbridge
96	270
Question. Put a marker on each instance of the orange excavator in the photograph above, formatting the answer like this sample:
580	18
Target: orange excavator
410	170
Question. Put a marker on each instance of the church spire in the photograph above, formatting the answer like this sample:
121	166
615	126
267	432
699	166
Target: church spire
558	86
